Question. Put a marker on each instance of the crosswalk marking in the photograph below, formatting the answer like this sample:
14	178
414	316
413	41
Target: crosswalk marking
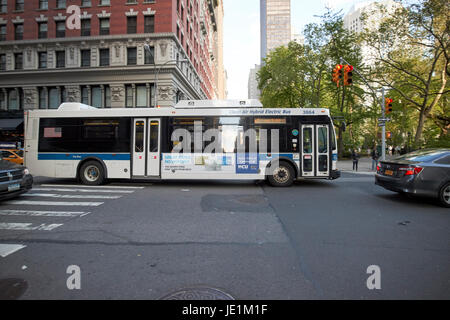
7	249
53	203
28	226
82	190
33	213
84	186
66	196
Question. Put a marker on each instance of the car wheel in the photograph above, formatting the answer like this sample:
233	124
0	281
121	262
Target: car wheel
444	195
281	175
92	173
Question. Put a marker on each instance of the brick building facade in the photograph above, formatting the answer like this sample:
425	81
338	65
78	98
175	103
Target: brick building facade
48	55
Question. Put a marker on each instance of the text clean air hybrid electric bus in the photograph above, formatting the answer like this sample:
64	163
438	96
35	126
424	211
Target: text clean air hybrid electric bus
194	140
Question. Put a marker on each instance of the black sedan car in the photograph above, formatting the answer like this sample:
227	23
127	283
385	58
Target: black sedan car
14	179
424	173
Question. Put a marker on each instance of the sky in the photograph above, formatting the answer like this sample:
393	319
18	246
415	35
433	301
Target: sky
241	35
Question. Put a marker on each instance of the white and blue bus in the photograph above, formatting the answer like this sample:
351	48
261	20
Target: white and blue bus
226	139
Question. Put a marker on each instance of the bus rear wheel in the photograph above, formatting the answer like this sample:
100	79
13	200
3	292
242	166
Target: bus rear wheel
281	175
92	173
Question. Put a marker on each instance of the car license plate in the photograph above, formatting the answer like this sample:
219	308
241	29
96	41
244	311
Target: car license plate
389	172
13	187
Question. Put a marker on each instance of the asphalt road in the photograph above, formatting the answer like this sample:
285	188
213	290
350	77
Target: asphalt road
145	240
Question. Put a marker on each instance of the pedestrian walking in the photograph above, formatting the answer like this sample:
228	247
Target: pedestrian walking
355	158
374	156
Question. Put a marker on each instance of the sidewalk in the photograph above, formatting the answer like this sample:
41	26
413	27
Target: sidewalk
364	166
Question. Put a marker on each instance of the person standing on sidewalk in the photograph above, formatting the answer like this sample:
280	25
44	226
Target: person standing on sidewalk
374	155
355	158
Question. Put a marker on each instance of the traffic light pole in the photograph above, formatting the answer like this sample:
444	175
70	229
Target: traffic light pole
383	110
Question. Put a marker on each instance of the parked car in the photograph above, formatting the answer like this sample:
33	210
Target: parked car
15	179
12	155
425	173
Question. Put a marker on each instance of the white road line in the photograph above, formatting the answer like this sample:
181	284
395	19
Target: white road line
7	249
82	190
28	226
84	186
66	196
32	213
53	203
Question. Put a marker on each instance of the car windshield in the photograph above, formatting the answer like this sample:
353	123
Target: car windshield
20	153
421	156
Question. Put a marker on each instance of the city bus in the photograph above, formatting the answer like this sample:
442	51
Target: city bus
199	139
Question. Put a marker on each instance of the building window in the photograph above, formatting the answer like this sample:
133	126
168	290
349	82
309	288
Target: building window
18	61
2	61
86	3
43	4
15	99
86	58
104	26
43	28
19	5
105	2
131	56
63	96
96	96
18	31
60	59
85	27
43	98
149	57
60	29
149	24
107	97
42	60
60	4
104	57
2	101
131	25
53	98
3	32
3	6
85	95
141	96
129	96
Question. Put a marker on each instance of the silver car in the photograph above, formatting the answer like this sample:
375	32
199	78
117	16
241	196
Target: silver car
424	173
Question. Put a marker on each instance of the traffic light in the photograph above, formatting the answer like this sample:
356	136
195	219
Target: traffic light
388	105
388	135
348	74
337	74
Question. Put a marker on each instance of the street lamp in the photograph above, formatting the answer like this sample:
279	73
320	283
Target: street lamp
147	48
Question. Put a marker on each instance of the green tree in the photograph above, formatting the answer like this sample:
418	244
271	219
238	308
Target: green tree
412	59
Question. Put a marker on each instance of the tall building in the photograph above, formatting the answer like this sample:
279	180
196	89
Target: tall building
253	91
48	55
275	24
374	11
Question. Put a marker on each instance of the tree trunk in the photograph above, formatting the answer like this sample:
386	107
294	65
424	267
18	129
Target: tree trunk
420	126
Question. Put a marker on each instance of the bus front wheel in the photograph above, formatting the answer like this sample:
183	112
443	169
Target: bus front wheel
281	175
92	173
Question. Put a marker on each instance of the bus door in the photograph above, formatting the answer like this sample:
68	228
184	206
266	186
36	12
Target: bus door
139	142
307	150
154	146
315	156
323	153
146	147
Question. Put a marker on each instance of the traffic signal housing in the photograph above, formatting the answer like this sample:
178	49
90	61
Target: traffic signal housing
337	73
348	75
388	105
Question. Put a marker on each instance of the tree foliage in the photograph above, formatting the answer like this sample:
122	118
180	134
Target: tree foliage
407	55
